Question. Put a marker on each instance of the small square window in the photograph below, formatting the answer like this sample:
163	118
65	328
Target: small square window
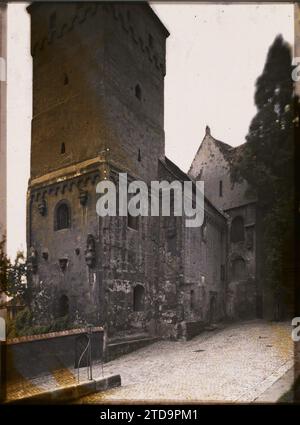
222	272
62	148
150	39
138	92
52	21
220	188
132	222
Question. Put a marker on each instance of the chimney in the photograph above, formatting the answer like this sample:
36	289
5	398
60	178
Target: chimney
207	131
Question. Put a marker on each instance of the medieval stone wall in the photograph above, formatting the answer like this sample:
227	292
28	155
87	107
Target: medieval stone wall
192	269
129	274
243	282
212	164
58	256
171	268
205	268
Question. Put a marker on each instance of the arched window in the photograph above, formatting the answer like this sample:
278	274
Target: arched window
204	230
62	216
238	269
237	233
150	40
138	298
138	92
193	299
66	79
52	21
63	307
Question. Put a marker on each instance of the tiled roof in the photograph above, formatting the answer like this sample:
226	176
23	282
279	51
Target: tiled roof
230	152
182	176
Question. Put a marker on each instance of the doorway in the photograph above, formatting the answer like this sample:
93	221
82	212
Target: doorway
213	307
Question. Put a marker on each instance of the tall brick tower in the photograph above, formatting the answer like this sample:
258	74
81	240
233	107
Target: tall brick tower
98	109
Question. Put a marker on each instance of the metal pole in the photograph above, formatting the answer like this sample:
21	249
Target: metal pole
90	333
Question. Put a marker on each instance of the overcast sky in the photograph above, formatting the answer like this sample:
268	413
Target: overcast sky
214	55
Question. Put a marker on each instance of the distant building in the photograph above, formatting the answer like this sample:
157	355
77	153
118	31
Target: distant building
213	165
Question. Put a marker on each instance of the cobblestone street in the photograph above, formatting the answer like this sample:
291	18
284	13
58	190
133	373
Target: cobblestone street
235	364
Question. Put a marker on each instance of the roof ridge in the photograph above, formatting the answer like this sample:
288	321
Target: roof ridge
165	162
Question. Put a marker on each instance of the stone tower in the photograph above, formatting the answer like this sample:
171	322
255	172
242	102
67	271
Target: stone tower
98	106
98	79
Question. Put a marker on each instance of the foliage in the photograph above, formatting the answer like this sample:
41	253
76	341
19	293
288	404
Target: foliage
4	264
24	324
267	164
13	274
35	317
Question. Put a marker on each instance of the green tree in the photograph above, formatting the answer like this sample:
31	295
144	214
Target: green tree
4	265
13	274
267	164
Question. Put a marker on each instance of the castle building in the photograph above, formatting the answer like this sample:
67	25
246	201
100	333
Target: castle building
98	110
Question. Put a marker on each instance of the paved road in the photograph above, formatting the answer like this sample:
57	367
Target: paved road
236	364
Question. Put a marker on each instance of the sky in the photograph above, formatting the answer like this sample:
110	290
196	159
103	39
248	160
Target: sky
215	53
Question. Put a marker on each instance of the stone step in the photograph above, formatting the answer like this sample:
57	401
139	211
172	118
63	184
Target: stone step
128	337
127	345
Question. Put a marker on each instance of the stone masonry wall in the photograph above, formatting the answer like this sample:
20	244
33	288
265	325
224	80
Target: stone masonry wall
76	281
87	63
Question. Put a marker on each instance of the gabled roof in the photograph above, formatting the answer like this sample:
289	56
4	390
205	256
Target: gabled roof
224	147
182	176
174	169
229	152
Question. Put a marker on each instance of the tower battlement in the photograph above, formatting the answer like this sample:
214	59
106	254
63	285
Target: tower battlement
59	24
93	87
